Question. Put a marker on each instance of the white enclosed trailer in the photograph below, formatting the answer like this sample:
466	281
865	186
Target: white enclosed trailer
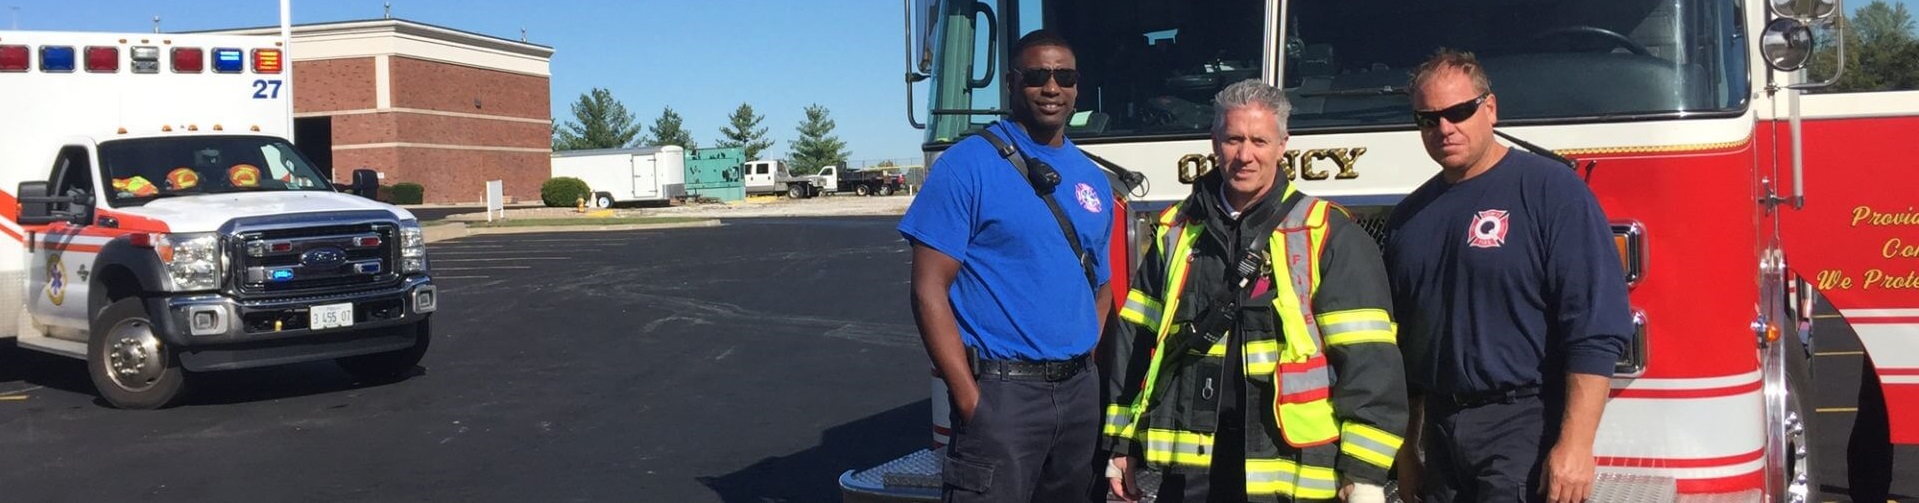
626	175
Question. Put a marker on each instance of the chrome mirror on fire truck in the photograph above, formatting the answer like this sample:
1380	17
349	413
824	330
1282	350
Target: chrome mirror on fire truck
1804	9
1786	44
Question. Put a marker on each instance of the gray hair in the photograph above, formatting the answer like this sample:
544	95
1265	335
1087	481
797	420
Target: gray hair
1251	92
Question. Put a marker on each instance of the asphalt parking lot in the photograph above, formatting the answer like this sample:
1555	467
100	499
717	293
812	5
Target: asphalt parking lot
745	363
751	362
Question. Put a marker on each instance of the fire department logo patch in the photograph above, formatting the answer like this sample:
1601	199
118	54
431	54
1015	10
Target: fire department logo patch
1488	229
1088	198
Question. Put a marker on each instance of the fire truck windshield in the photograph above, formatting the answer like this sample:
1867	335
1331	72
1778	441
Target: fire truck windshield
1149	68
140	170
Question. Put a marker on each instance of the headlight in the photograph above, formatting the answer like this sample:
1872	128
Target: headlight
412	249
192	259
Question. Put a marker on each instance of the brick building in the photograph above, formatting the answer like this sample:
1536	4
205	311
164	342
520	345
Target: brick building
419	103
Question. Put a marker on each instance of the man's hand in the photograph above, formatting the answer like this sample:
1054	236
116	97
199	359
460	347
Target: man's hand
966	401
1412	473
1120	479
1569	473
1361	492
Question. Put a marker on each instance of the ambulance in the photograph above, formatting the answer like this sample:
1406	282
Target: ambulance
158	222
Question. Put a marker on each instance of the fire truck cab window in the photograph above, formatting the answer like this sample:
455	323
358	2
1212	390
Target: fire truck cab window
1347	61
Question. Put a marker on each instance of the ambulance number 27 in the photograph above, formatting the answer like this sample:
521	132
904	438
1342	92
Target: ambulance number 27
265	89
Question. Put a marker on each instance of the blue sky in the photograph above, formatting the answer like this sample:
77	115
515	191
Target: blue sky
702	57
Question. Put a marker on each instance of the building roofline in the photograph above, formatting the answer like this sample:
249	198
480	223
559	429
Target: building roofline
400	26
623	150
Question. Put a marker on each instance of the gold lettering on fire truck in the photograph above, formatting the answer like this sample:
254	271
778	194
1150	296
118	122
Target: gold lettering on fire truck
1870	216
1297	164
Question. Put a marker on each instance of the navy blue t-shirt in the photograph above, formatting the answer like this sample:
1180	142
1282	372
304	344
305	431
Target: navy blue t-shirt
1506	279
1020	293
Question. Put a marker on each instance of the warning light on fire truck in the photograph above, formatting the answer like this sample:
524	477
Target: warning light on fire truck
188	60
54	58
229	60
266	61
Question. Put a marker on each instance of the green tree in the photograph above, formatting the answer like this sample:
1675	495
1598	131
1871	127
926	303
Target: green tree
817	147
599	121
667	130
742	130
1882	54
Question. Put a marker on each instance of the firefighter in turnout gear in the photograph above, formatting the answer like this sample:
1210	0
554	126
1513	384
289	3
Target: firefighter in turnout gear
1261	363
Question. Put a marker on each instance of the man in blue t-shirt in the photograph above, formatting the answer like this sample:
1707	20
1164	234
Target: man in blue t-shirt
1008	313
1511	302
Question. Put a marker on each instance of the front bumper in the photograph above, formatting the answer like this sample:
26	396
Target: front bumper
215	332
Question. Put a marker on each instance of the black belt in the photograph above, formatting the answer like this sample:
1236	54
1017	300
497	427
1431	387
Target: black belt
1470	399
1020	370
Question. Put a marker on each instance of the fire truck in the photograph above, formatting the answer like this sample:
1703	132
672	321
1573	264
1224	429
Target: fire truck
160	223
1737	194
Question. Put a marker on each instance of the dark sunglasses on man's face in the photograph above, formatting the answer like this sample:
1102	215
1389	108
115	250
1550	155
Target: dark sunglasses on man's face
1036	77
1454	114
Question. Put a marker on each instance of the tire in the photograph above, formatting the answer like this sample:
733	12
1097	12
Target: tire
813	192
795	191
1802	474
863	190
148	373
391	365
603	200
887	190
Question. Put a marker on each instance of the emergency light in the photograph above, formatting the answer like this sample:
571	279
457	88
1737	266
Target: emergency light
145	59
103	59
189	60
13	58
266	61
229	60
56	59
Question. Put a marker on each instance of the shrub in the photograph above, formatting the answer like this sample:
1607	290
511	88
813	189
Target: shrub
564	191
407	193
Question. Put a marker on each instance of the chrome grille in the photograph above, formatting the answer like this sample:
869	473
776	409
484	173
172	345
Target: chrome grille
315	260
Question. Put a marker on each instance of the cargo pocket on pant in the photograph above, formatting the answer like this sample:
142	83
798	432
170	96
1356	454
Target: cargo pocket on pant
967	475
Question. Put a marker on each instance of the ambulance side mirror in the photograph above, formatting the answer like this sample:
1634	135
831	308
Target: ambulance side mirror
36	205
366	183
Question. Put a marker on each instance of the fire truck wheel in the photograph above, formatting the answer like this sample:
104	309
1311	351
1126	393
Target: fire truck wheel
130	366
863	190
391	365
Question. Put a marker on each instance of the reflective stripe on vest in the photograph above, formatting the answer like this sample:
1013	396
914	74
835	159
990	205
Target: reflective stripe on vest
1371	445
1141	310
1172	447
1262	357
1357	326
1282	477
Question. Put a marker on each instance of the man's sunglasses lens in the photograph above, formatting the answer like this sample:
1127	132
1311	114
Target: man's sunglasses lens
1454	114
1036	77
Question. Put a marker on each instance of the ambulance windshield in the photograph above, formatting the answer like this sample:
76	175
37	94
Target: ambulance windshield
141	170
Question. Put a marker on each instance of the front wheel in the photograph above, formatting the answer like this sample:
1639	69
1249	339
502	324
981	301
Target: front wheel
129	363
887	191
392	364
863	190
795	191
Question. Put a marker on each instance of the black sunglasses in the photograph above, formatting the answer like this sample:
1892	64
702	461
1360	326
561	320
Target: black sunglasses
1454	114
1036	77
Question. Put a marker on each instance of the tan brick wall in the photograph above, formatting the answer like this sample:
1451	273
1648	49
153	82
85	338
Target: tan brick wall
333	84
446	130
453	88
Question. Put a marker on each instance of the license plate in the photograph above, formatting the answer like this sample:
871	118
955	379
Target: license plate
330	316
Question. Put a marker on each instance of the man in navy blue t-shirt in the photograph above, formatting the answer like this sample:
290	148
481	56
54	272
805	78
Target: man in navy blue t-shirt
1511	302
1006	309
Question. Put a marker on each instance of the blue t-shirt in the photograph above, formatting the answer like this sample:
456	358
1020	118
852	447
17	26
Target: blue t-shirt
1020	293
1506	279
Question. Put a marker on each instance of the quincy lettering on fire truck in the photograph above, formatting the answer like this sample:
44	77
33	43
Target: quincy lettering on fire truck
160	222
1689	119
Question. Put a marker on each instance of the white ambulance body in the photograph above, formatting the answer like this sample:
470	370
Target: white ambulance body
158	221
